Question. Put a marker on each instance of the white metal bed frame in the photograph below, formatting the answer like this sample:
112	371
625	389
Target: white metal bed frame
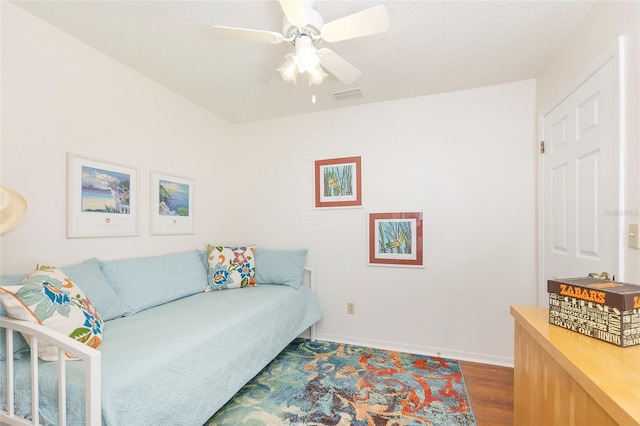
90	356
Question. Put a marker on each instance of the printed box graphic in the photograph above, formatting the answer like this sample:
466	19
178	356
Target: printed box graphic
601	309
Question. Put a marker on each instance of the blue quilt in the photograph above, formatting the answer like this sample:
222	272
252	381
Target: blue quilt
178	363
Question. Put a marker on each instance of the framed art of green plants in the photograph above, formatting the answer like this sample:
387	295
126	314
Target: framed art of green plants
396	239
338	182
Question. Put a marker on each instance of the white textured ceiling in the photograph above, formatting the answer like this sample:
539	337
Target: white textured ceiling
431	47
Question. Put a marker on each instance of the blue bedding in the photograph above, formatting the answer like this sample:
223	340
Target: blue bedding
178	363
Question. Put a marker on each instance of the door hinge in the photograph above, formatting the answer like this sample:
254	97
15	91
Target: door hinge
541	147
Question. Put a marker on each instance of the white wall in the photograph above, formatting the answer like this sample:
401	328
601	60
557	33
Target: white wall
59	95
466	159
606	21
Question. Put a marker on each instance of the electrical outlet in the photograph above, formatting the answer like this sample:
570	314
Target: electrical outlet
351	308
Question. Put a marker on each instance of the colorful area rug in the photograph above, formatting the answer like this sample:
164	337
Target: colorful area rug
323	383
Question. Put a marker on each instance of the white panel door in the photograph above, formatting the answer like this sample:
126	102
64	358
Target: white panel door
580	180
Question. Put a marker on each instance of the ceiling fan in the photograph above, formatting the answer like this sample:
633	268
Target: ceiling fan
305	29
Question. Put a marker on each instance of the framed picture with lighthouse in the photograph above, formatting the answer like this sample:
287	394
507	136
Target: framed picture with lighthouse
102	198
171	204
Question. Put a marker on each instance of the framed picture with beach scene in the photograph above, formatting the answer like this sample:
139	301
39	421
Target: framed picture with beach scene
396	239
338	182
101	198
171	204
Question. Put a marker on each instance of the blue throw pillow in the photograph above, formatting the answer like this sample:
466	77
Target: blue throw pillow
203	258
282	267
20	346
145	282
89	277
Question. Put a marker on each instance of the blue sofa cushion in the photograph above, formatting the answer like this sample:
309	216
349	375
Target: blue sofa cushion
283	267
145	282
88	276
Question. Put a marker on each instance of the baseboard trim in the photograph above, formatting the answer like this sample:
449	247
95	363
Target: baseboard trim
418	349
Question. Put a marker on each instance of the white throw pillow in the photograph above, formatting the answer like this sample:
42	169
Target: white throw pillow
230	267
48	297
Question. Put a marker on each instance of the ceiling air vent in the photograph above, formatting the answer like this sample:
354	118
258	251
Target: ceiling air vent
347	95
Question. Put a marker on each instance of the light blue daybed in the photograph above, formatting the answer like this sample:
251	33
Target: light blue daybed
171	354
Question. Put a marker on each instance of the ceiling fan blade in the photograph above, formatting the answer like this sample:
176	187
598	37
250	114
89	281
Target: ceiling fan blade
295	12
243	34
370	21
338	66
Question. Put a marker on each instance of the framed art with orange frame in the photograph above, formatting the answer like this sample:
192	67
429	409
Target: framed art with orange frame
338	182
396	239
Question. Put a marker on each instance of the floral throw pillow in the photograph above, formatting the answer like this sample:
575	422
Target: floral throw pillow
48	297
230	267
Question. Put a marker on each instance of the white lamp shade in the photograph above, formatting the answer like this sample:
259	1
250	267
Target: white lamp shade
13	210
307	59
316	76
306	54
288	69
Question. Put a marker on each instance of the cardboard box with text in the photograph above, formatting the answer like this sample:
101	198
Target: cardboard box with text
601	309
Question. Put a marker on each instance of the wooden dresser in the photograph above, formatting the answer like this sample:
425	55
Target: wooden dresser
564	378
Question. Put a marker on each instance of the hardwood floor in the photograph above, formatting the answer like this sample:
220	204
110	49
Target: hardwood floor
490	388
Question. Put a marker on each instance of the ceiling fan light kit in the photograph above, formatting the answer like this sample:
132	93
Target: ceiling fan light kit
304	28
305	60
